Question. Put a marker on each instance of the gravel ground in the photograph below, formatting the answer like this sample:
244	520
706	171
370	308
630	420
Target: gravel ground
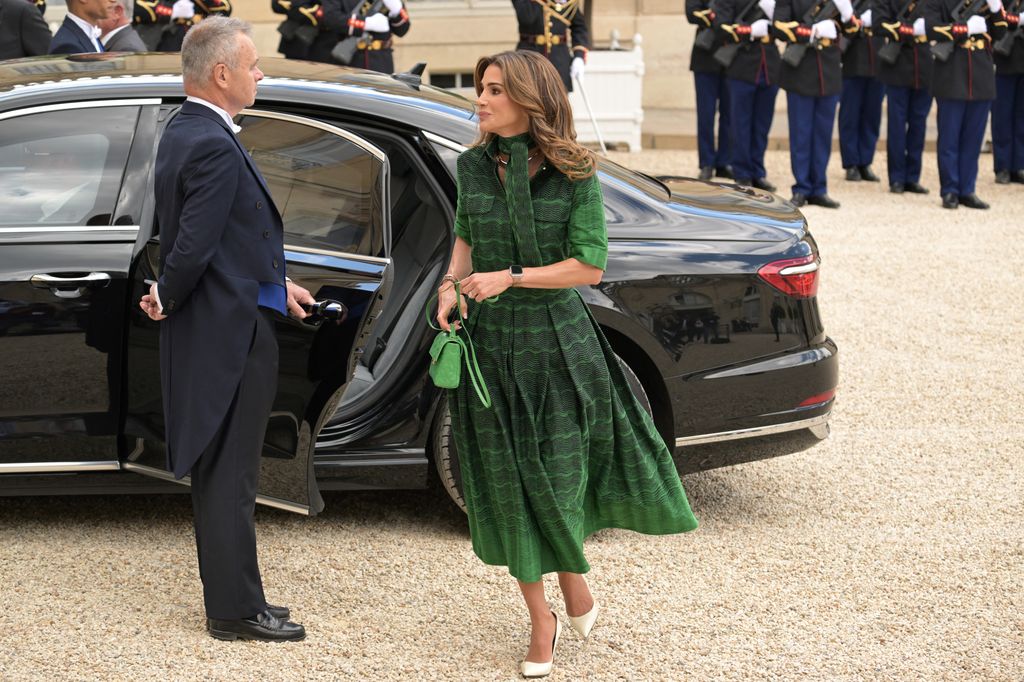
893	551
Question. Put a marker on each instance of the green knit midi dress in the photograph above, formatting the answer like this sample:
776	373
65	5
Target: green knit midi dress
565	449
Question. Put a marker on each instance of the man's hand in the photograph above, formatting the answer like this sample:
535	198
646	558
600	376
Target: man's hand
149	305
183	9
759	29
994	6
865	18
824	29
576	68
394	7
845	8
976	25
919	28
768	7
378	23
296	297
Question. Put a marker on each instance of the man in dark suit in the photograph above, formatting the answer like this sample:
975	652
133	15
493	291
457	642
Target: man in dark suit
118	34
80	31
222	284
860	104
23	32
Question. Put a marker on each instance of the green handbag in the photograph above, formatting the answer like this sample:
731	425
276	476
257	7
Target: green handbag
447	353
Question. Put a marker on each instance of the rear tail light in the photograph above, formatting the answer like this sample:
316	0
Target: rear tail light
819	398
797	277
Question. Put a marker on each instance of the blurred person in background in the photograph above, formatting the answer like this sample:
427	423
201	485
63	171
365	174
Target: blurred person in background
80	31
712	93
372	24
118	34
23	31
300	27
162	24
548	27
1008	109
860	104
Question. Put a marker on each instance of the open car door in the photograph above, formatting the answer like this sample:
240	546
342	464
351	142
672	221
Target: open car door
331	189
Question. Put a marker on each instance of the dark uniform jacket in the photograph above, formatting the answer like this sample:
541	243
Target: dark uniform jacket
152	21
212	203
341	19
819	73
546	26
754	57
1012	65
702	13
968	74
858	56
913	67
23	32
300	28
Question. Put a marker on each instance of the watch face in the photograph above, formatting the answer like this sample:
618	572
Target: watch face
516	270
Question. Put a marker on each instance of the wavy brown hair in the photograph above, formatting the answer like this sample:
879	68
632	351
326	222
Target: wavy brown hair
534	84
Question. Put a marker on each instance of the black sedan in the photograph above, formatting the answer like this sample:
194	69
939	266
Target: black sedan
709	298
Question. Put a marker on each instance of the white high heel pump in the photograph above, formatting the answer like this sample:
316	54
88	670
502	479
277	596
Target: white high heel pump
530	669
585	623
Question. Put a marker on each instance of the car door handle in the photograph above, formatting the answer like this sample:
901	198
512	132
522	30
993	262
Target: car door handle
70	286
328	309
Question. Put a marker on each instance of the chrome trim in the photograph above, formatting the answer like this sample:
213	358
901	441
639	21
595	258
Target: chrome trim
799	269
69	228
187	481
775	364
339	254
53	280
815	424
57	467
313	123
93	104
444	142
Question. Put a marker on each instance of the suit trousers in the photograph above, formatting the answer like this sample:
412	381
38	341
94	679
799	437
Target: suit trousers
224	484
712	97
907	115
961	132
811	120
751	109
1008	123
860	119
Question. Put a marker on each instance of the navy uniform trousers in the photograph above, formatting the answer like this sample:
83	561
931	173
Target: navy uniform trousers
751	109
811	121
712	96
961	132
860	119
1008	123
224	524
907	116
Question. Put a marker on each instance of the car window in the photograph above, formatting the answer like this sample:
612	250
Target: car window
64	167
327	188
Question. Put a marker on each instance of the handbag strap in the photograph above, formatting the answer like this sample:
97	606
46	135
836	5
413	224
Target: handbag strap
476	377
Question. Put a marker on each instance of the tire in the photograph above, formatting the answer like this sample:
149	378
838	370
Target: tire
446	459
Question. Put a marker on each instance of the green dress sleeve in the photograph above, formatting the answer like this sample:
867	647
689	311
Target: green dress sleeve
588	236
461	217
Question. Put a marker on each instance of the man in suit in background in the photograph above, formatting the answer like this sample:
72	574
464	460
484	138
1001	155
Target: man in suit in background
118	34
23	32
221	288
860	104
80	31
712	93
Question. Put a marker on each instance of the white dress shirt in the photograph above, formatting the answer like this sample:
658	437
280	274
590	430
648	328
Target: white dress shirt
93	32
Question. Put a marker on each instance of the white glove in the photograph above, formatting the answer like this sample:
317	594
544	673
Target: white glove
994	6
759	29
768	7
866	19
183	9
919	29
576	68
824	29
976	25
394	7
378	23
845	8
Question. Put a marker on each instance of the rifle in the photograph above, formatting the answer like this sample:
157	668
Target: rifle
727	53
706	37
858	9
346	49
890	52
1004	46
823	11
966	8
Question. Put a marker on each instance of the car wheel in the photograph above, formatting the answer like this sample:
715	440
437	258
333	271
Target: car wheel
446	459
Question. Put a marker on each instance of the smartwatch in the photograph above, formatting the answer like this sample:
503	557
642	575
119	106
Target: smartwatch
516	272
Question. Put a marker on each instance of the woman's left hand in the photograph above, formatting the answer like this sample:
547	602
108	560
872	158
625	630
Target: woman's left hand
483	285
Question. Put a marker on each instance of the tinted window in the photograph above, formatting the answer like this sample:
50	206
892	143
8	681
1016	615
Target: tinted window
327	188
64	167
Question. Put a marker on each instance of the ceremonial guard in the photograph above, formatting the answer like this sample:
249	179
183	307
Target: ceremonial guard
367	27
905	67
964	87
751	62
712	93
162	24
860	104
548	26
300	28
1008	109
811	75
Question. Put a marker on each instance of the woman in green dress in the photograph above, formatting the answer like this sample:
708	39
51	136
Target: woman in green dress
565	449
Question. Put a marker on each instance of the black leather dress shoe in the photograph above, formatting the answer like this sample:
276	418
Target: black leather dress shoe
724	172
1017	176
705	173
762	183
972	201
282	612
1003	177
853	174
915	188
950	201
867	174
798	199
823	200
263	627
896	187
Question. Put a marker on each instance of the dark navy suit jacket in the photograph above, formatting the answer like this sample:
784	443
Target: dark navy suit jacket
69	39
220	236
